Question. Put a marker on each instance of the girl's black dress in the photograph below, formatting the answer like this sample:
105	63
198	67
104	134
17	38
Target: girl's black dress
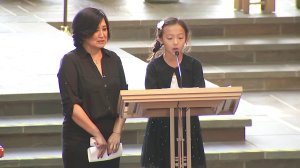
81	83
156	146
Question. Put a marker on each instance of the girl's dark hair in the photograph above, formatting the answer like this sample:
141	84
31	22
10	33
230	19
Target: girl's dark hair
86	23
157	46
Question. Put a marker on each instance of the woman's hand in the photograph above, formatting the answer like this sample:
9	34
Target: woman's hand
113	143
101	144
80	118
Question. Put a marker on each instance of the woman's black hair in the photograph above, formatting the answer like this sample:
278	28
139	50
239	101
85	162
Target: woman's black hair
86	23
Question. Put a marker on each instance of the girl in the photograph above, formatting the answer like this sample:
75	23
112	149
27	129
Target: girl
172	35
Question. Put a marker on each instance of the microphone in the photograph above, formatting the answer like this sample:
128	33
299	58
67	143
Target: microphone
177	53
179	69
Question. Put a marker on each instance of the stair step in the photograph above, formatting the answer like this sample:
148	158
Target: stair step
259	71
30	104
205	27
45	130
216	154
224	43
31	124
256	77
27	124
229	50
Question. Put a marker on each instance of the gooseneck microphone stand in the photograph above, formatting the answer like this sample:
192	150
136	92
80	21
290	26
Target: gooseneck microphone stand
179	69
180	139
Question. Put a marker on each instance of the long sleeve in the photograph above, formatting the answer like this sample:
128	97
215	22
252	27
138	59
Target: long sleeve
151	79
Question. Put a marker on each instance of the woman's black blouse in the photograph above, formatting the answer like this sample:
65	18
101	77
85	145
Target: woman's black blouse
81	83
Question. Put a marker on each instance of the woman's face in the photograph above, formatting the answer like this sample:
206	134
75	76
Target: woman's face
99	38
173	38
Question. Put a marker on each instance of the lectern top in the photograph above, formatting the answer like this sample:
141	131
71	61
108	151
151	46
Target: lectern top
177	91
157	102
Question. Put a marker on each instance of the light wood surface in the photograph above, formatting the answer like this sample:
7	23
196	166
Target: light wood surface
157	102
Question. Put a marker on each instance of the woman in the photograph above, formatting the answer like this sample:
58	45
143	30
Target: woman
90	80
163	71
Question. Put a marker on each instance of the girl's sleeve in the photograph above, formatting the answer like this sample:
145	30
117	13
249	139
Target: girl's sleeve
198	75
151	78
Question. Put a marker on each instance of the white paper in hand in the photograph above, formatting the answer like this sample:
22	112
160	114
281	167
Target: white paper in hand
93	152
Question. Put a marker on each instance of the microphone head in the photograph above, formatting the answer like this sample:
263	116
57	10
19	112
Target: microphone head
177	53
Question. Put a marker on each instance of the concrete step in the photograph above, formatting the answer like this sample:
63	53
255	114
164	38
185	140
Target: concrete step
256	77
30	104
229	50
243	27
136	29
45	130
225	155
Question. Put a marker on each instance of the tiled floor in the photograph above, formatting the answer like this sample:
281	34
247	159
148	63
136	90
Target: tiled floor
31	50
275	119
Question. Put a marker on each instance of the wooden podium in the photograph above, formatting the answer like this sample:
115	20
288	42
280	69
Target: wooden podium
179	102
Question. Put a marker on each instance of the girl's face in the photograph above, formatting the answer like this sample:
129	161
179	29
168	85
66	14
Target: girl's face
99	38
173	38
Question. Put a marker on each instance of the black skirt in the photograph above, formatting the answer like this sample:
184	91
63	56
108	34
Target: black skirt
156	146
